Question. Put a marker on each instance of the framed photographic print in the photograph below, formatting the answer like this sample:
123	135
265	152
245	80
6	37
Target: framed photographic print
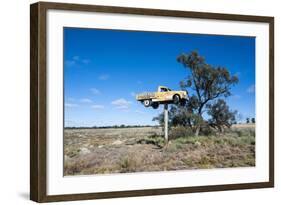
135	102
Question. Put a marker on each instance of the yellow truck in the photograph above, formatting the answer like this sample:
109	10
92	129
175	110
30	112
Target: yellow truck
162	96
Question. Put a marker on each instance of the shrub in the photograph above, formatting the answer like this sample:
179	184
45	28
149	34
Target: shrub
239	133
206	130
250	140
245	132
73	153
127	164
179	132
156	140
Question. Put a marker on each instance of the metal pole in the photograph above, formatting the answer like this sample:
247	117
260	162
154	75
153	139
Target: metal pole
166	121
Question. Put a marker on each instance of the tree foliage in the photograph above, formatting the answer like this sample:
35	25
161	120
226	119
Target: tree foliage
253	120
208	82
220	115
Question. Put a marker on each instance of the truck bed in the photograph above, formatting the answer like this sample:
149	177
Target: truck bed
145	96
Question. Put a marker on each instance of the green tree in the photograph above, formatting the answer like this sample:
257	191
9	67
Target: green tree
208	83
253	120
220	115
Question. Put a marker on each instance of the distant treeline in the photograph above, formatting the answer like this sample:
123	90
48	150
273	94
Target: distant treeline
113	126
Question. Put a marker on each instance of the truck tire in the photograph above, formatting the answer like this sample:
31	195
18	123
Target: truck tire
147	103
155	105
176	99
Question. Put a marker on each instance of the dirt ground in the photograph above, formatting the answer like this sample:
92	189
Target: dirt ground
120	150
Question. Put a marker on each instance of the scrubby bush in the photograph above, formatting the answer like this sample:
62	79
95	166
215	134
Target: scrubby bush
244	132
127	164
156	140
206	130
180	131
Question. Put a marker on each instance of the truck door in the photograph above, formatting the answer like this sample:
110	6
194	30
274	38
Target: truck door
162	93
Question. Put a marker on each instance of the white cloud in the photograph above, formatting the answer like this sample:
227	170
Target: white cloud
121	103
251	89
95	91
133	94
86	100
86	61
98	107
70	105
104	77
76	60
69	62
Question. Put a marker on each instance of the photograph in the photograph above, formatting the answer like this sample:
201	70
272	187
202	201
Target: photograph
143	101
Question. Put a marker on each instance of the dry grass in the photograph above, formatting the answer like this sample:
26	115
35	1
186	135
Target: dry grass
120	150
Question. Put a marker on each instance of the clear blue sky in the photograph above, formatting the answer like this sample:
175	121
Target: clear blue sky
104	69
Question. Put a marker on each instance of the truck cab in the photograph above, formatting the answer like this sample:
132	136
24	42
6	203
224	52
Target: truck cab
164	95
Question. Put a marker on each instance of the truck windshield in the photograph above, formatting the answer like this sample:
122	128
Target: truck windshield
163	90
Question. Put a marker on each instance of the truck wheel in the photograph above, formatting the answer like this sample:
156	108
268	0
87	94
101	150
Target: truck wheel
176	99
155	105
147	103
